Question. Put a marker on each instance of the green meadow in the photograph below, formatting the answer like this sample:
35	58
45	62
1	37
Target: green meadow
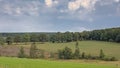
41	63
89	47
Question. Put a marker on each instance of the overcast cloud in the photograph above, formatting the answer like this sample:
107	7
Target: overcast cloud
58	15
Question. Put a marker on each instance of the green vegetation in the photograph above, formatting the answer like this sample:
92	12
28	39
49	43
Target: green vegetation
2	41
89	47
38	63
21	54
102	55
33	51
67	53
111	35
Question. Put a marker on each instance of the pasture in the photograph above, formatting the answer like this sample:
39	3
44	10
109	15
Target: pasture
89	47
41	63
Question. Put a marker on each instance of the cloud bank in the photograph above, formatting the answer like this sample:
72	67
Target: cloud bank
52	15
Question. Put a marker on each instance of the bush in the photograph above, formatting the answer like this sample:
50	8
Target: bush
113	59
77	52
66	53
21	54
83	55
117	38
33	51
110	59
102	55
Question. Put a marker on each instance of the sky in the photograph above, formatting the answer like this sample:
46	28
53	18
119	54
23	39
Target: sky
58	15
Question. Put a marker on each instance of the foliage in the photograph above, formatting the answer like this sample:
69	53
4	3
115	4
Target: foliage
9	40
26	38
43	37
2	41
21	54
83	55
111	35
101	55
33	51
118	38
66	53
17	39
77	52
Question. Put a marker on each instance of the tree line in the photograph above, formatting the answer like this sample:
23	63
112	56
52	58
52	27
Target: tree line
111	34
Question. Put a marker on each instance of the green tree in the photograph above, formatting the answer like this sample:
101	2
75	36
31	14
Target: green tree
60	54
2	41
21	54
68	37
17	39
9	40
53	38
58	37
118	38
77	51
43	37
34	38
33	51
26	38
83	55
76	36
102	55
66	53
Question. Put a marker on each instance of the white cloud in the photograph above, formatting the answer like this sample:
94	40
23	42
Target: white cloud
7	9
18	11
117	0
86	4
55	2
108	2
49	3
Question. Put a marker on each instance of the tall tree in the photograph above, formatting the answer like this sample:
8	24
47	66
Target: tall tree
2	41
117	38
34	38
33	50
9	40
67	53
68	37
17	39
21	54
53	38
102	55
26	38
43	37
76	36
77	51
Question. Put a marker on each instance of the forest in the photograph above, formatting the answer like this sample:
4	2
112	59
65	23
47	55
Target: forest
110	35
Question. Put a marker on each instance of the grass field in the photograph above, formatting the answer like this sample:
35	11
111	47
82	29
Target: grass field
90	47
38	63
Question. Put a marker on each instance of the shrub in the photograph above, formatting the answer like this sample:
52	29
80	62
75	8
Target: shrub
110	59
66	53
21	54
77	52
102	55
83	55
33	51
113	59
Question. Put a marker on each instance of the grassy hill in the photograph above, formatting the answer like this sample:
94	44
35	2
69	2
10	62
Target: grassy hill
90	47
32	63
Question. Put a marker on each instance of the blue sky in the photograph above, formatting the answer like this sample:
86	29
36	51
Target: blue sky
58	15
